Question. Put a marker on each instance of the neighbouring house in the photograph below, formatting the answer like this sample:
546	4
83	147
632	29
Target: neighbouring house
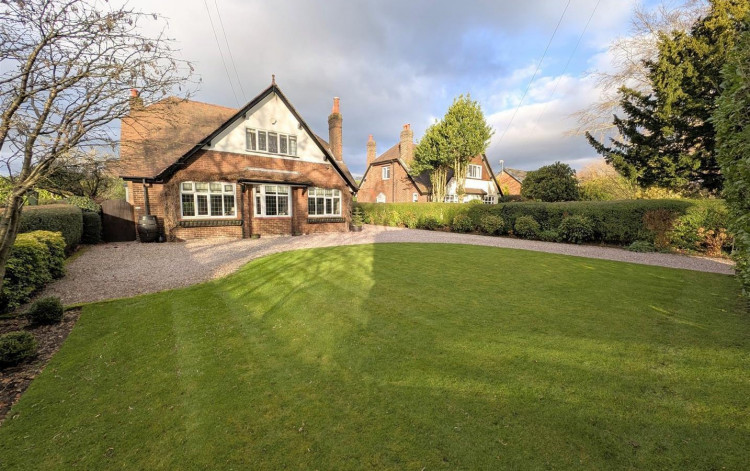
388	178
511	180
206	170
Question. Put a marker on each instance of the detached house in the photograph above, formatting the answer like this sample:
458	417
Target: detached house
205	170
511	180
388	178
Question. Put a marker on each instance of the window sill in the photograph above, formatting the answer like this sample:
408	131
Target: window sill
210	222
322	220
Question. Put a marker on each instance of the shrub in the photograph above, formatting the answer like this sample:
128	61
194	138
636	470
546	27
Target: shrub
84	203
576	229
31	265
46	311
429	223
700	219
16	347
549	235
526	227
556	182
92	228
62	218
462	223
641	246
660	222
491	224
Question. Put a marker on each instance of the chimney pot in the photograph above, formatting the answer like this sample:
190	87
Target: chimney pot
134	92
335	108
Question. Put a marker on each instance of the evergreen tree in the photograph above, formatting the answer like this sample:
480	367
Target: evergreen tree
666	137
556	182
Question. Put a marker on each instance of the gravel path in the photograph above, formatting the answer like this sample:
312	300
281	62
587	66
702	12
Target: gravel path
125	269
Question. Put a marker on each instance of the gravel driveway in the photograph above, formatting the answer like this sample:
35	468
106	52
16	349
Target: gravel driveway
125	269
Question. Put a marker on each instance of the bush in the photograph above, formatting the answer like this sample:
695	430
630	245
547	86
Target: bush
92	228
556	182
429	223
46	311
660	222
16	347
526	227
576	229
549	235
641	246
462	223
84	203
490	224
695	229
35	259
62	218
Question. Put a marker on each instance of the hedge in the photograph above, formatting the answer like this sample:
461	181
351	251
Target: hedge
36	258
62	218
613	222
92	228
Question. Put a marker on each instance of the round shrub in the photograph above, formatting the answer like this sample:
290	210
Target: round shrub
16	347
549	236
491	224
429	223
641	246
461	223
576	229
526	227
45	311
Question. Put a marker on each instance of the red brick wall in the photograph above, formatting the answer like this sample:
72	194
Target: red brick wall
508	184
397	189
222	166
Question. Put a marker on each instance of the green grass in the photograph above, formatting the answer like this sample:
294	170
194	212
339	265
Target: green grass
405	356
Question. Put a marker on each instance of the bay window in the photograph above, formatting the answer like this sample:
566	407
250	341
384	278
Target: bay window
272	200
207	200
271	142
323	202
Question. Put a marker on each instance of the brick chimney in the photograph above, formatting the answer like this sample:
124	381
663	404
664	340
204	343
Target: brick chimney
406	144
136	102
371	151
334	131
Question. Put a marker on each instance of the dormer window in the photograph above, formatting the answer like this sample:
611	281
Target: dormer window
271	142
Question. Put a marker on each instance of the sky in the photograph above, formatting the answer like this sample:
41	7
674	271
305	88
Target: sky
393	62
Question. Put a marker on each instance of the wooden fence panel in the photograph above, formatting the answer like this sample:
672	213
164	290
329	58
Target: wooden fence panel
117	221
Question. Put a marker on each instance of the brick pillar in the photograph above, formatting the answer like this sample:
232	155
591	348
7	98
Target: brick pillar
299	210
249	203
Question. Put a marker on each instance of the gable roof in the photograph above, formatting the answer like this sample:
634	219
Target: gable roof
515	174
178	155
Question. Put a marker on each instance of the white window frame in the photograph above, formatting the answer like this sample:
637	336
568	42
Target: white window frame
291	150
259	211
414	197
327	195
380	198
450	199
477	171
489	199
190	188
385	173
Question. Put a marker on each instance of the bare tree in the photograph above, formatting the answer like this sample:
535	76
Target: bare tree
629	55
66	69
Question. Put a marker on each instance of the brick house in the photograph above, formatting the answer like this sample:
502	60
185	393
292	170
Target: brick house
206	171
388	179
510	181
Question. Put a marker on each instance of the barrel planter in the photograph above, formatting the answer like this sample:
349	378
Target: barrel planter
148	228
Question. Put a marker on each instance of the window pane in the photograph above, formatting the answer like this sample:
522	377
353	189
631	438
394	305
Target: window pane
336	206
216	205
228	205
271	209
188	206
187	186
329	205
228	189
320	203
311	206
215	187
282	145
257	204
292	145
273	143
261	140
283	206
201	187
202	205
250	139
270	190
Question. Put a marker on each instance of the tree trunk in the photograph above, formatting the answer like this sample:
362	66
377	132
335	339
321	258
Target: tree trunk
9	222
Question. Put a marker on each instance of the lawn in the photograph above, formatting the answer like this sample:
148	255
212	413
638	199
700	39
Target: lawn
401	356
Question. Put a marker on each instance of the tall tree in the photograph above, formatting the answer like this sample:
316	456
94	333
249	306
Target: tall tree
732	121
556	182
67	70
431	155
667	137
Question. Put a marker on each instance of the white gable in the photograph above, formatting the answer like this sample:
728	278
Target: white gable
271	114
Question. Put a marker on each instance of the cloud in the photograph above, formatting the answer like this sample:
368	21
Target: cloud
394	62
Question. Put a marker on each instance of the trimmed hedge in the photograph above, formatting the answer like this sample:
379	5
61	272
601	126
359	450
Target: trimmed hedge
36	258
62	218
612	222
92	228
